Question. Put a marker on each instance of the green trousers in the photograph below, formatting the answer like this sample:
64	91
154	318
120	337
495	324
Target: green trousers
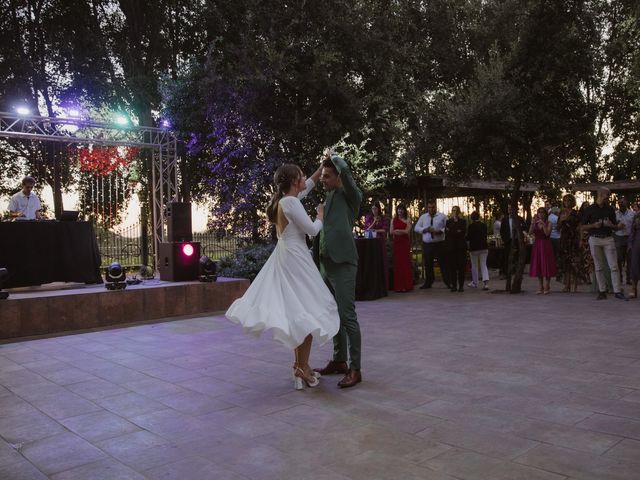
341	280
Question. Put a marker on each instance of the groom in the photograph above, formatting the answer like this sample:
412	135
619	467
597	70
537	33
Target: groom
338	260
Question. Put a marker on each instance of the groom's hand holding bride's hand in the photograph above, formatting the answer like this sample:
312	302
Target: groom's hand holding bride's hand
320	211
326	154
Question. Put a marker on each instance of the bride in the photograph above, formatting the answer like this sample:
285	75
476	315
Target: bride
289	296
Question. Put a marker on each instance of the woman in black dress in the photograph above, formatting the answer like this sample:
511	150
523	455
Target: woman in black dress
456	244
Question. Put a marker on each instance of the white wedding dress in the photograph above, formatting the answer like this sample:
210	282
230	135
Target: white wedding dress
288	296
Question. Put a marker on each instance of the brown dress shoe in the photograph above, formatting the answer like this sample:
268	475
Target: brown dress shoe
333	368
353	377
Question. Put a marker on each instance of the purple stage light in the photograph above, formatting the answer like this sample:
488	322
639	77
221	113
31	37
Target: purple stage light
165	123
23	111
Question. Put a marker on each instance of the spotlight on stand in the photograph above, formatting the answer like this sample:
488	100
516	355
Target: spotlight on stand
4	274
208	270
115	277
146	272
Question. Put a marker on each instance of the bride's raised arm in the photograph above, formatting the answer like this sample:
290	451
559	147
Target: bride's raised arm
295	213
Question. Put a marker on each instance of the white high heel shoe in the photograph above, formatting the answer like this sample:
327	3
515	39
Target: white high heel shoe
299	380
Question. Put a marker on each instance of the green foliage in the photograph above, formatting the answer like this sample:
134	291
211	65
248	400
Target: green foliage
246	263
527	90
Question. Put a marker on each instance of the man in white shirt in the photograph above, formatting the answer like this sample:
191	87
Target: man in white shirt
555	233
431	226
25	205
624	216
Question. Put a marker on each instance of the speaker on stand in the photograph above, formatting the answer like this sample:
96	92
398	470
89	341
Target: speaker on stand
179	257
179	261
179	222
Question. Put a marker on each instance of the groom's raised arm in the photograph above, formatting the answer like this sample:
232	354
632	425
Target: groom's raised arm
351	190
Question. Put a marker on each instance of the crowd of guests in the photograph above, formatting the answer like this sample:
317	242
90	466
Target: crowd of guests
595	244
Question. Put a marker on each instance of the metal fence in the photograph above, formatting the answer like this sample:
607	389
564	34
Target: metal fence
124	245
217	245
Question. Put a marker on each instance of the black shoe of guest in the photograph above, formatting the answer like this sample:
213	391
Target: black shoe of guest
425	285
601	296
461	289
620	296
454	289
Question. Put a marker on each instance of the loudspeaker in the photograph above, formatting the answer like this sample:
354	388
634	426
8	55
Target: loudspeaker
179	222
179	261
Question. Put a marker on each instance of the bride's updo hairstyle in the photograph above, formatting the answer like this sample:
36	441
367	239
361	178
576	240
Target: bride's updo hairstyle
286	175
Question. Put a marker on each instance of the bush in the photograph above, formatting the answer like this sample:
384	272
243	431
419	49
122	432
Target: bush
246	263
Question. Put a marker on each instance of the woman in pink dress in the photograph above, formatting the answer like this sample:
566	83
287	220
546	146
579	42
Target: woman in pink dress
543	263
401	233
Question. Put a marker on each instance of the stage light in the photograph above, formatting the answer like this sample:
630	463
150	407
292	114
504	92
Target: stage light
208	269
73	113
122	120
187	249
4	274
146	272
165	123
115	277
23	111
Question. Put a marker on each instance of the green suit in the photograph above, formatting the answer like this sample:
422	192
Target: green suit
338	260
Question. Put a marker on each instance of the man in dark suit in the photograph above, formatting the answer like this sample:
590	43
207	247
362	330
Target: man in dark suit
508	224
339	265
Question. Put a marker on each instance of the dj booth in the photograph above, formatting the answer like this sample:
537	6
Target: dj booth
39	252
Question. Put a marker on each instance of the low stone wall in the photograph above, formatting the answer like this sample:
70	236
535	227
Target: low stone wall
63	311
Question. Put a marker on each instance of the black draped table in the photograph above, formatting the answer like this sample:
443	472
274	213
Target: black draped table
371	281
49	251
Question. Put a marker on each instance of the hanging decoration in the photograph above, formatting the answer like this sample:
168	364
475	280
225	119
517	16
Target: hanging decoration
103	161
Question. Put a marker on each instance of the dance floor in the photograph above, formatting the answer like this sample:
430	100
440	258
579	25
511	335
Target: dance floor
473	386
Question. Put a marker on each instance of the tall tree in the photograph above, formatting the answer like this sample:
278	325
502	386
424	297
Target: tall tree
524	118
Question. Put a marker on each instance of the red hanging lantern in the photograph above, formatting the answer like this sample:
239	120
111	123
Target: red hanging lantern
102	161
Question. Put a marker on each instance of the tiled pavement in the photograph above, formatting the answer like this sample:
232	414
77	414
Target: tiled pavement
457	386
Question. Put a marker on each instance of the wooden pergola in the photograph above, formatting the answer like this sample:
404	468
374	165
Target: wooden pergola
425	187
628	188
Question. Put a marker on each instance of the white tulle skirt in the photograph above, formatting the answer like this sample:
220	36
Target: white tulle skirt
288	298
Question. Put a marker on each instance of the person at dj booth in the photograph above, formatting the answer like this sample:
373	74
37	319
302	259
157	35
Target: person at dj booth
25	205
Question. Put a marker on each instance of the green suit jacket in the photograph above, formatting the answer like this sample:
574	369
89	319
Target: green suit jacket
341	209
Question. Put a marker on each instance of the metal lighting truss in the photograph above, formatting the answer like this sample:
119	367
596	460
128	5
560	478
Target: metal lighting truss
163	144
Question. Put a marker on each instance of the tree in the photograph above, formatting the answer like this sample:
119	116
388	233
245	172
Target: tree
45	66
524	118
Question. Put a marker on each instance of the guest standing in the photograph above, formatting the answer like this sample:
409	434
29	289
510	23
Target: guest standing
554	213
497	223
585	251
633	254
570	257
478	250
511	224
376	221
543	263
431	226
624	216
456	245
600	221
401	234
